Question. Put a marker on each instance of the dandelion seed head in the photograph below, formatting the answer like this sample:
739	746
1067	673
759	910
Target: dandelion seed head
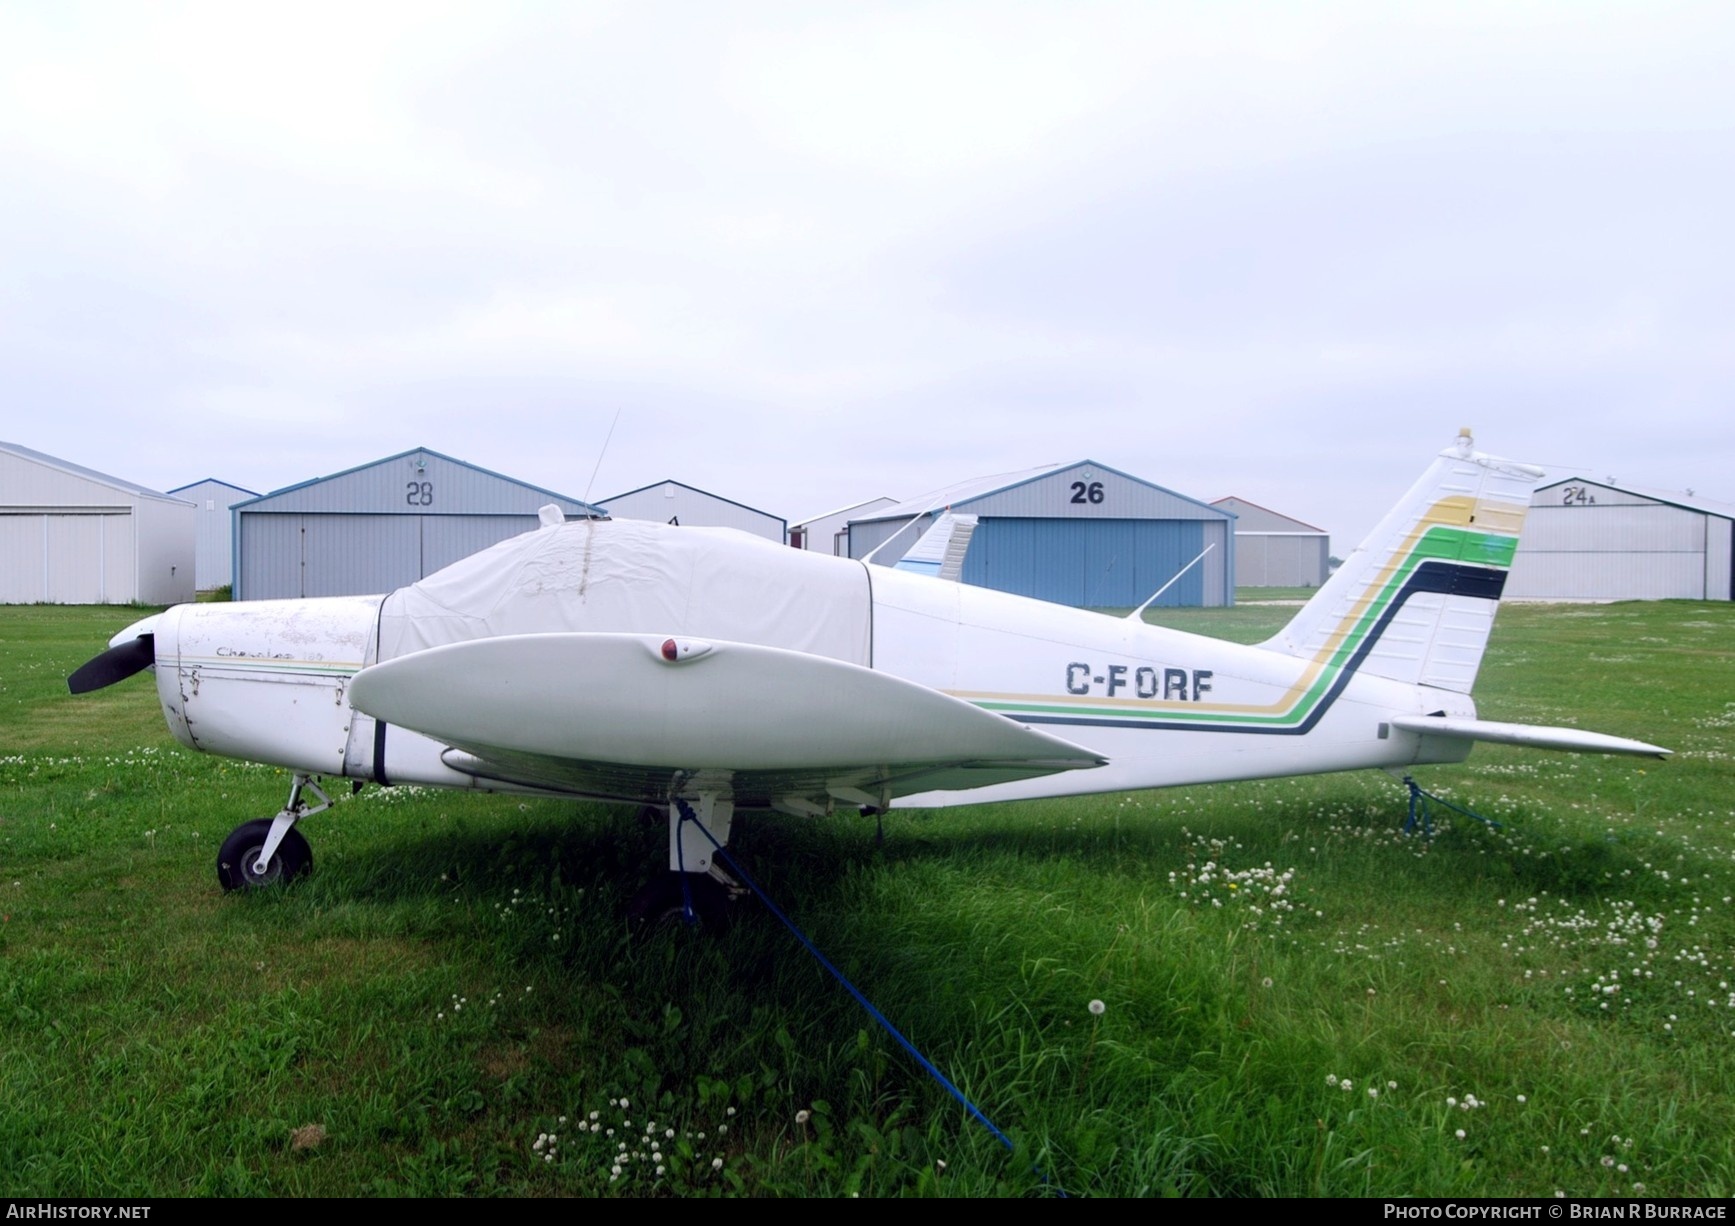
1097	1008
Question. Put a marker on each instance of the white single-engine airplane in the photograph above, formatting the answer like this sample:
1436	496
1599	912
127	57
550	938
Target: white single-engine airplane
706	670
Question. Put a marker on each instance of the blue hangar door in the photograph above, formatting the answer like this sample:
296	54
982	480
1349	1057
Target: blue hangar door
1095	563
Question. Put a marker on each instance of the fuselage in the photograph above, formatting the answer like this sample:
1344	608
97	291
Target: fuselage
267	681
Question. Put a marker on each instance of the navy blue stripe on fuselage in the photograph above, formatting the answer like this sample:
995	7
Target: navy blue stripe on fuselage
1433	578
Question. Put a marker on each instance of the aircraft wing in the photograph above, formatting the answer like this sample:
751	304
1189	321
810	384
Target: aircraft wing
1534	736
625	716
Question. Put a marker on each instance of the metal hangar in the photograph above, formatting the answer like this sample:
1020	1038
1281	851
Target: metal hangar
72	535
213	556
829	532
671	502
1080	534
1273	550
379	526
1595	540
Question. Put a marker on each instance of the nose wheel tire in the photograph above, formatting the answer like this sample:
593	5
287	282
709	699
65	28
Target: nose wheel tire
238	859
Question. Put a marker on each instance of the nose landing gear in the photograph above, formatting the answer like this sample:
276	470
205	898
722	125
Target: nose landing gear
270	850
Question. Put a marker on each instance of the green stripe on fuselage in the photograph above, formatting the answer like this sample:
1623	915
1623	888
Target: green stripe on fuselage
1439	543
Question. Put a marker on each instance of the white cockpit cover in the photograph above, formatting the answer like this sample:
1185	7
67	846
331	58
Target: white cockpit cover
636	577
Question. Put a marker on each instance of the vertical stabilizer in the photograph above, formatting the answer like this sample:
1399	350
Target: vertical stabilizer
1415	601
941	550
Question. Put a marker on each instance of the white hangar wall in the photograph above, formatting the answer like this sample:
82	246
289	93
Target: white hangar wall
829	533
72	535
379	526
1590	540
213	557
1274	550
671	502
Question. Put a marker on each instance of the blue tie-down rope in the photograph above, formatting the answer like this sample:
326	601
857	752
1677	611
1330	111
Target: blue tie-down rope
686	812
1419	811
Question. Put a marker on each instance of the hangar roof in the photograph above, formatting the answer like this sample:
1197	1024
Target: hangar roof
969	495
1673	498
89	474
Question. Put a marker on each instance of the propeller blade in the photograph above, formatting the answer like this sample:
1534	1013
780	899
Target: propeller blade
115	664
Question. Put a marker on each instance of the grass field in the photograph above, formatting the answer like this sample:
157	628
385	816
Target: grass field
1300	1000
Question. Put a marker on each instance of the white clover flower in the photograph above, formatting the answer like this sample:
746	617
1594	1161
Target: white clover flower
1097	1008
1346	1085
1459	1134
1331	1079
1522	1099
716	1164
1373	1091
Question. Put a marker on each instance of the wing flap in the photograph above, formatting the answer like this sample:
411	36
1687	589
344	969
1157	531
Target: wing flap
1533	736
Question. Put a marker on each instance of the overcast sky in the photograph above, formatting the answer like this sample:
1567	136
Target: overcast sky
815	253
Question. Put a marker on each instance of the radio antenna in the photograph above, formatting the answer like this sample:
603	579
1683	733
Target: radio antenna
601	454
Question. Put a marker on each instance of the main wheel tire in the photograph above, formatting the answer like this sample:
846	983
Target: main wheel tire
239	855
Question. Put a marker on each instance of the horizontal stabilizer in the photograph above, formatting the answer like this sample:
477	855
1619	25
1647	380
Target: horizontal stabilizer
1534	736
556	706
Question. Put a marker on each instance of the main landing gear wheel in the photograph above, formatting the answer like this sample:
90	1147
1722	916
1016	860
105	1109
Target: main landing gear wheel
661	903
237	862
